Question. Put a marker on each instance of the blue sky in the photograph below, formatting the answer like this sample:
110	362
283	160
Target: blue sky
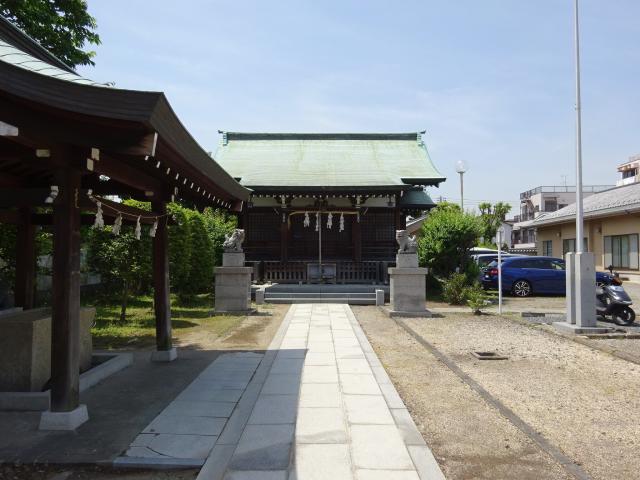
490	81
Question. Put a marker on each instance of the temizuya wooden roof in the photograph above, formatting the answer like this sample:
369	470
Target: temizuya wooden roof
134	138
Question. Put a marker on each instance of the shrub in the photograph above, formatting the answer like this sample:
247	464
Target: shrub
447	236
218	224
476	298
454	288
201	261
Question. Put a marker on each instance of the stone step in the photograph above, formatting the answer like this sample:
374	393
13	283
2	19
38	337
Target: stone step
269	294
329	299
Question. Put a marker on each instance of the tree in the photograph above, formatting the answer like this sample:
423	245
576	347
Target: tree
61	26
123	262
447	236
491	217
179	233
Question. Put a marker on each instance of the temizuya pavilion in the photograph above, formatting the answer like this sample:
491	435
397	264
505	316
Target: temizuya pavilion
65	143
333	200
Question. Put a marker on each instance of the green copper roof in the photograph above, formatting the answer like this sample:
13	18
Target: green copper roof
328	161
416	199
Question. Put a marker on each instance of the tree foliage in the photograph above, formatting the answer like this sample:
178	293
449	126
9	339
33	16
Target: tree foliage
200	278
491	217
447	236
123	262
61	26
218	224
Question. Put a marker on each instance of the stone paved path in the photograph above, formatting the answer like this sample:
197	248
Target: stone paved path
320	406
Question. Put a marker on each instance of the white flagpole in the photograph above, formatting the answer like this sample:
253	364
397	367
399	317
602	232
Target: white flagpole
579	214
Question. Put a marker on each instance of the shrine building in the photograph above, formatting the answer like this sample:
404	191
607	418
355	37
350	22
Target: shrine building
325	207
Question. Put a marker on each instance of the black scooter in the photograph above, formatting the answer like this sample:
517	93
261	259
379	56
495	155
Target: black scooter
613	301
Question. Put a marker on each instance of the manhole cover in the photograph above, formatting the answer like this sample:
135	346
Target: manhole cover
488	356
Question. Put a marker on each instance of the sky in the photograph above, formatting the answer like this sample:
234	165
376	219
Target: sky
492	82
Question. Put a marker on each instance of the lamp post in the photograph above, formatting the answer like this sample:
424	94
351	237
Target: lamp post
579	215
461	167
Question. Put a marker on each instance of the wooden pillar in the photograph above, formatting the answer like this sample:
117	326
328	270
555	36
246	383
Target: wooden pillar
25	260
400	219
65	327
161	280
356	237
284	238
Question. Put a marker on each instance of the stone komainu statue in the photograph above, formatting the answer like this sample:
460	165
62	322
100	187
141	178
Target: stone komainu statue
233	242
407	244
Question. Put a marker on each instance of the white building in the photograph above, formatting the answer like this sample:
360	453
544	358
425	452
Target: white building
629	171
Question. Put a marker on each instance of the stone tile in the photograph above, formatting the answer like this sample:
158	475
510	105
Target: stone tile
226	375
381	374
294	343
367	409
359	384
263	447
321	425
354	365
142	440
222	383
320	395
292	353
324	335
319	374
256	475
379	447
320	346
182	446
320	358
386	475
346	342
199	409
186	425
343	333
281	384
288	365
274	409
142	452
200	393
322	462
406	426
349	352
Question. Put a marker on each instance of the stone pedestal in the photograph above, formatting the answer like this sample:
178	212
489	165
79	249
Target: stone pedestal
581	295
233	284
408	287
64	420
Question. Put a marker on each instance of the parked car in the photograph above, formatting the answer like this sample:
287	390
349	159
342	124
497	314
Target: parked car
524	276
484	259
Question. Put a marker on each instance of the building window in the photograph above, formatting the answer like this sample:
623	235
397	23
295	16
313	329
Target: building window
621	251
569	245
547	248
550	205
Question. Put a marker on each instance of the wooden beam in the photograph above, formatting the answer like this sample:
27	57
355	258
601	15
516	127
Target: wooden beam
7	180
65	327
161	299
42	127
25	281
128	175
24	197
284	240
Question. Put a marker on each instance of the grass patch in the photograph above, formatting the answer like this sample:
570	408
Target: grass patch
138	331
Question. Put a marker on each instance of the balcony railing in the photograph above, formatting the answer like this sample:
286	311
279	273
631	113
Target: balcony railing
562	189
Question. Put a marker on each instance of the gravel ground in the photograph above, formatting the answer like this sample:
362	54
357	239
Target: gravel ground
468	438
581	400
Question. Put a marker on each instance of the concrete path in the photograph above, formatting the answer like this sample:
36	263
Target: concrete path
320	406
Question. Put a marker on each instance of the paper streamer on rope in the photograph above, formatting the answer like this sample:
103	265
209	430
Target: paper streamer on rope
117	225
154	227
317	221
329	221
138	230
307	222
342	222
99	222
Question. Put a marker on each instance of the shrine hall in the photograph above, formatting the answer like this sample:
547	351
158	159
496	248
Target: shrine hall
324	208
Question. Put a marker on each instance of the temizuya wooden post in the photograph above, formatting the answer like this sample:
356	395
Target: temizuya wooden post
25	260
161	280
65	327
356	238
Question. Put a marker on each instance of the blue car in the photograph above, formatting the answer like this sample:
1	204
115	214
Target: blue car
524	276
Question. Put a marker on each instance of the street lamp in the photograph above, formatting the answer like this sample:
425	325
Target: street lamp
461	167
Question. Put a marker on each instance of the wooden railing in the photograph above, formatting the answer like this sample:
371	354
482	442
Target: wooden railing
369	271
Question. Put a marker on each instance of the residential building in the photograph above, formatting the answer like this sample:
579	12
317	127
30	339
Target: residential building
629	171
540	200
611	228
